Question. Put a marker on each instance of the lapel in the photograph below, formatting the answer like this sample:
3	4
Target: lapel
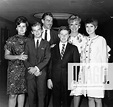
57	51
41	44
32	46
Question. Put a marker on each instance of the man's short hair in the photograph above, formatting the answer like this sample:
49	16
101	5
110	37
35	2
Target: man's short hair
47	14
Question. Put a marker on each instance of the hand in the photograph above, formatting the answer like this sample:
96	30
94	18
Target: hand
50	84
32	70
52	45
23	56
37	73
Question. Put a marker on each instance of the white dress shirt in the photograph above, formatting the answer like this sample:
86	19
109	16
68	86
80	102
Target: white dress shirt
39	40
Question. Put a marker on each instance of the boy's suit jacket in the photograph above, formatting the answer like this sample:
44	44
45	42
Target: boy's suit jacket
58	66
37	57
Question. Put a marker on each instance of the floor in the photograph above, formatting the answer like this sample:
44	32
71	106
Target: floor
4	97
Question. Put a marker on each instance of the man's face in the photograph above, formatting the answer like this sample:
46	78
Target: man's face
63	35
47	22
37	31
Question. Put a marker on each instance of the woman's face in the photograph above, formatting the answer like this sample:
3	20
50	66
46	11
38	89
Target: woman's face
74	26
90	28
21	28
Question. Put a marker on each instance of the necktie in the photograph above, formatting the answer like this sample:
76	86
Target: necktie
37	43
62	51
45	34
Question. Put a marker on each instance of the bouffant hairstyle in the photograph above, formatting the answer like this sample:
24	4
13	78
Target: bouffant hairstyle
74	18
21	19
92	21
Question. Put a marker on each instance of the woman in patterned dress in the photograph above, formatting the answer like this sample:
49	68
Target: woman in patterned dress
78	40
14	53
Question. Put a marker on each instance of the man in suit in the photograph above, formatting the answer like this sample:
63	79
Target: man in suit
61	54
38	51
52	37
48	33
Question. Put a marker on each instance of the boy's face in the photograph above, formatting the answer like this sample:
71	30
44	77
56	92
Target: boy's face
74	25
63	35
37	31
90	28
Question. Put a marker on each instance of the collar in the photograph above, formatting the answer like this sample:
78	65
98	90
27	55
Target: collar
45	29
63	43
39	39
93	37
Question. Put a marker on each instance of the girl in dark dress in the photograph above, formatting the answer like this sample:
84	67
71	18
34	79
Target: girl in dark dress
14	53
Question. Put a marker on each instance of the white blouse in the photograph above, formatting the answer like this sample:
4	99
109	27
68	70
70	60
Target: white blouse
95	50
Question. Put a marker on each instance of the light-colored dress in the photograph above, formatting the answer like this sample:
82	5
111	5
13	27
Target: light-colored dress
95	57
78	41
96	54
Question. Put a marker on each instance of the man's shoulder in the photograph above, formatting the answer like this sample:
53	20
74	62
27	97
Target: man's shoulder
45	42
53	31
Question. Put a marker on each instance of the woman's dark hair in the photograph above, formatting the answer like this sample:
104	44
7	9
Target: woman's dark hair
21	19
92	20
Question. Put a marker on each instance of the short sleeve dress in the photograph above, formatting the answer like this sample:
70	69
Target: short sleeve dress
16	83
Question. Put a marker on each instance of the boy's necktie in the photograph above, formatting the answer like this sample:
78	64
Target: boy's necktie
37	43
62	51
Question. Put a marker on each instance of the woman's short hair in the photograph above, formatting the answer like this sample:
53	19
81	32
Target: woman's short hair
21	19
92	21
74	18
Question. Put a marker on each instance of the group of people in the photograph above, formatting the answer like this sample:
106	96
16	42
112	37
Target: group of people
38	65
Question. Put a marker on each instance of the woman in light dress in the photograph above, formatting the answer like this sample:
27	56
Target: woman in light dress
94	52
78	40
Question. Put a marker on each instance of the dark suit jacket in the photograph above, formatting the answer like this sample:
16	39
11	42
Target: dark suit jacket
54	39
57	66
37	57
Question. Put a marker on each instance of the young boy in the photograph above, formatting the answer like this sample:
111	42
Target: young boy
38	51
61	54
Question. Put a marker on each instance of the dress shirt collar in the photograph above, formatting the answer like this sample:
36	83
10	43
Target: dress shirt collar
39	40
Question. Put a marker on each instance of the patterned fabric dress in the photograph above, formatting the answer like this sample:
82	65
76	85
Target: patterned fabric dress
16	83
78	41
